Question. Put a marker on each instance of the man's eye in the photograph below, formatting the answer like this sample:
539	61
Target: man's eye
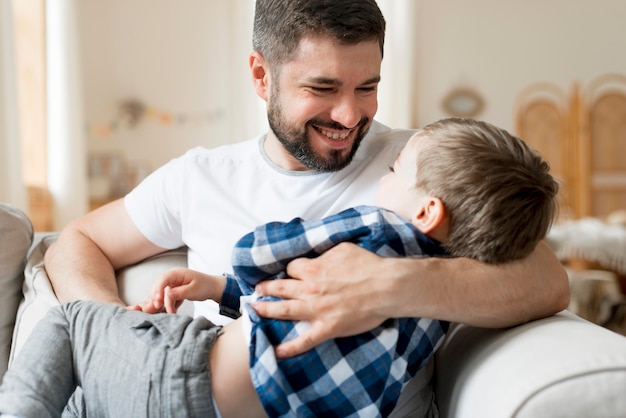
391	169
322	89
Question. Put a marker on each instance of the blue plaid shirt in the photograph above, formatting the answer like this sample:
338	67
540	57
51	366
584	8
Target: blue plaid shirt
360	376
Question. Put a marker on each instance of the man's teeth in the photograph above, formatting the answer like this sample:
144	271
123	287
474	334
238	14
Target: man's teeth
335	135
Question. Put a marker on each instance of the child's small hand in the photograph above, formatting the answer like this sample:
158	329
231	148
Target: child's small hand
145	306
137	307
168	302
171	289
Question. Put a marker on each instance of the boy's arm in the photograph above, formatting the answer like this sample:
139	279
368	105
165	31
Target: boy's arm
348	290
180	284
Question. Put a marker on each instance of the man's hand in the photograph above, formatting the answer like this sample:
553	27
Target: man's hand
330	292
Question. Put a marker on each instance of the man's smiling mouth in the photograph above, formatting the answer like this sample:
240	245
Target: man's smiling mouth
333	134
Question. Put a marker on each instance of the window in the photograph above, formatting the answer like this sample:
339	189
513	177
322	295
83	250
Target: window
29	24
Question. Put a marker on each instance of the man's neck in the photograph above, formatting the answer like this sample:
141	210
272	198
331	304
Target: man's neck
280	156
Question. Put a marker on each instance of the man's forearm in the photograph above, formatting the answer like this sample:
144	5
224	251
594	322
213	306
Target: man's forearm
464	290
79	270
82	262
348	290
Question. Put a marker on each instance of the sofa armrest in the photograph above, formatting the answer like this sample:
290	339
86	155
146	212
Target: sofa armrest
557	366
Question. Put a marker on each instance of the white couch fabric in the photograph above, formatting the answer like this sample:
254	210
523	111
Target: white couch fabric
557	366
16	235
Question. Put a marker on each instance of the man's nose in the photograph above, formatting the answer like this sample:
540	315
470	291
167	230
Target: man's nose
346	111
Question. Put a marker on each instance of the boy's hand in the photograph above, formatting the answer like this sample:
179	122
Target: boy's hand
171	289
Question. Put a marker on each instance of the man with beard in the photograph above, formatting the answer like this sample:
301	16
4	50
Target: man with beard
316	63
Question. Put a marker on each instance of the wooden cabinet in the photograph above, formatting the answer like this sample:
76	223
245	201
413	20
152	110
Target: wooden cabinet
582	134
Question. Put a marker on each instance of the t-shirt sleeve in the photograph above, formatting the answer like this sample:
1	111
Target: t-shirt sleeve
154	205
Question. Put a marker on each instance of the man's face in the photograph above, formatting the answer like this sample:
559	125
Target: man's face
323	102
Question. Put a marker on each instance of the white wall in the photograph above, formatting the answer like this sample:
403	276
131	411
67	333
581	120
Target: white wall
176	56
499	47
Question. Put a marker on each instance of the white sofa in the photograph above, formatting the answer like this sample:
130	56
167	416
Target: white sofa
557	366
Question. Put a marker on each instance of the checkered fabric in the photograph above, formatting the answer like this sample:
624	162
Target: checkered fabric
359	376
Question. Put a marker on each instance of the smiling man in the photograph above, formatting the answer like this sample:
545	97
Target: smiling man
316	63
336	104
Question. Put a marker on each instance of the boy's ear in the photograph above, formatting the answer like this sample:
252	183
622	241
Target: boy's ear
429	215
260	74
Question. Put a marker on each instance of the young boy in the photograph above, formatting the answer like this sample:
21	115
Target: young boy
460	187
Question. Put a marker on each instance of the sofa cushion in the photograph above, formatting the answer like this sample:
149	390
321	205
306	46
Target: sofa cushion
16	235
38	295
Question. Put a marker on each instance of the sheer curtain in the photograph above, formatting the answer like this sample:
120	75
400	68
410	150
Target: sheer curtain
67	146
398	87
12	188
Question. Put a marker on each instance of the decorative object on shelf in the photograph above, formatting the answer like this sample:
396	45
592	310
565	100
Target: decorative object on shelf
106	176
132	112
111	176
463	102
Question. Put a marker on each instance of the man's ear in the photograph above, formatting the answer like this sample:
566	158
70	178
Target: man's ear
260	74
429	215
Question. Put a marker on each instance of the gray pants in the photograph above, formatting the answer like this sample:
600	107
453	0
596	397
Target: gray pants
126	363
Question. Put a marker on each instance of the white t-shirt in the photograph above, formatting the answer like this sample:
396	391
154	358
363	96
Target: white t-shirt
209	198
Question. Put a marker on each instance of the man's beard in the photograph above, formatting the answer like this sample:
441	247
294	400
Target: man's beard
297	143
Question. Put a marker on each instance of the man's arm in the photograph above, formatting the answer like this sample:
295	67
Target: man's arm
81	264
348	290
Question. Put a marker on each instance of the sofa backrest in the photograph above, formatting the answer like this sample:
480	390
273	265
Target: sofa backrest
16	236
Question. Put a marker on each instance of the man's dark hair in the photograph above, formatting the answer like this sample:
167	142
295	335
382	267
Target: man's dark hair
279	25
